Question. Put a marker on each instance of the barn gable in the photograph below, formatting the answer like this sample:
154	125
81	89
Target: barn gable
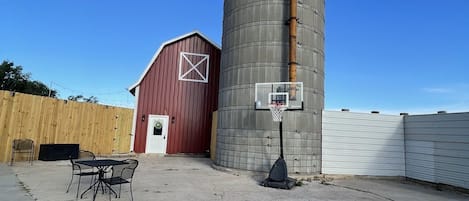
155	56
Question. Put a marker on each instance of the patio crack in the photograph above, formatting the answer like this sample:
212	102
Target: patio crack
24	187
357	189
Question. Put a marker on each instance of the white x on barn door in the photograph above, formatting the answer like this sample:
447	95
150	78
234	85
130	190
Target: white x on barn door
193	67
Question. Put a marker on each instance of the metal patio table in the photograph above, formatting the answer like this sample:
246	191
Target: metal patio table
101	165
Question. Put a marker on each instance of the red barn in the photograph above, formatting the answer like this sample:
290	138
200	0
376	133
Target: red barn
175	97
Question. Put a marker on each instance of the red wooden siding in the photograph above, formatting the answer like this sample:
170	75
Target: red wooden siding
189	105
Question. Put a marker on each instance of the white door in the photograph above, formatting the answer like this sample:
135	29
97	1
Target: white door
157	134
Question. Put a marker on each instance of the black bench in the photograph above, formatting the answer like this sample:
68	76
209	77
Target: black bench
53	152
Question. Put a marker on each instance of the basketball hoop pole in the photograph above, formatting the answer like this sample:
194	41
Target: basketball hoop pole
281	139
278	174
277	109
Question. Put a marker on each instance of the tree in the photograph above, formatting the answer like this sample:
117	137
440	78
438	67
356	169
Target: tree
12	78
81	98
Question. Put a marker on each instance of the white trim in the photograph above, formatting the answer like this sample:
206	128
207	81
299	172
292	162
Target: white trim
161	48
276	94
134	119
204	78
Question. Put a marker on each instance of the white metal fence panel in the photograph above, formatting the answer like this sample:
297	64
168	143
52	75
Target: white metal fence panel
362	144
437	148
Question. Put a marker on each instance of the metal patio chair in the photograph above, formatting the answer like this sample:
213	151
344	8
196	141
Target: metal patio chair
82	170
22	146
122	174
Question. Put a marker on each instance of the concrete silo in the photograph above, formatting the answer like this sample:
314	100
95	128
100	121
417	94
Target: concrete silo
255	49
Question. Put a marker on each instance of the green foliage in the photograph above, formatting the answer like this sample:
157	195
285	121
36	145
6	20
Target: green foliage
81	98
12	78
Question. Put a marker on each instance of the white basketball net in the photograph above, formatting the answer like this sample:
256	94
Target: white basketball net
277	110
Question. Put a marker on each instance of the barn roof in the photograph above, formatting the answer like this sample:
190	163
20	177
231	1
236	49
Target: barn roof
132	87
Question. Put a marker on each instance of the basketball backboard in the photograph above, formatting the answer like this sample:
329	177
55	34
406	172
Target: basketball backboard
289	94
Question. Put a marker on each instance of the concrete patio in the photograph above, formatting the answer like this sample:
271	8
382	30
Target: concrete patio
181	178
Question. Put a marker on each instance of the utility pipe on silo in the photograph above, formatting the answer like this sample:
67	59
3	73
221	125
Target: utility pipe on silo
292	62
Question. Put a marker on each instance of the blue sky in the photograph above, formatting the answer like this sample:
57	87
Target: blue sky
397	56
392	56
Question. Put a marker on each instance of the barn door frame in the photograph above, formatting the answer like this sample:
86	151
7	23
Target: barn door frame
157	134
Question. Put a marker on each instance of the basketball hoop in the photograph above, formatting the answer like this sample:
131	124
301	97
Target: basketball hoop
277	110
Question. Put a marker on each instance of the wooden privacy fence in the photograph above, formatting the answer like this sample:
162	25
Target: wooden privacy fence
98	128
